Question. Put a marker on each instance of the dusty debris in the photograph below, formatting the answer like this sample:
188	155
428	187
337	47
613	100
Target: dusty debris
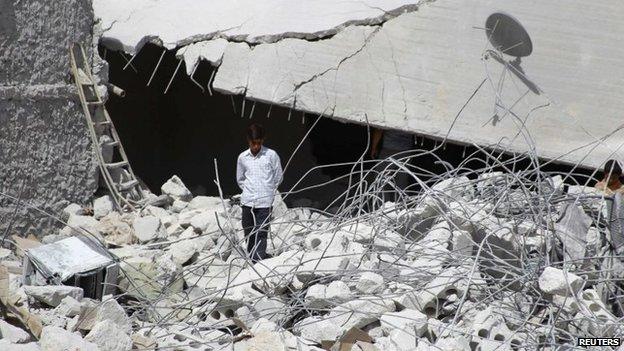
438	269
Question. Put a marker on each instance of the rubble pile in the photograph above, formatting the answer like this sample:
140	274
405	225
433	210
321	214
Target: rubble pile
489	261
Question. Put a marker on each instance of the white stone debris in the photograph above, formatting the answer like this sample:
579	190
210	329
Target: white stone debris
52	295
557	281
445	276
148	228
55	339
109	337
13	334
102	206
176	189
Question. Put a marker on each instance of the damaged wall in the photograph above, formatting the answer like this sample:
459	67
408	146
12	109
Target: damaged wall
423	61
45	150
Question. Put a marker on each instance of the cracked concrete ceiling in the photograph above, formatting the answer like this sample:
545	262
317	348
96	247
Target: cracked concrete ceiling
420	66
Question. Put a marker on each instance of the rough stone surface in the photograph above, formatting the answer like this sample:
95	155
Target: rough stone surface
176	189
52	295
102	206
109	337
12	333
7	345
55	339
148	228
46	150
556	281
69	307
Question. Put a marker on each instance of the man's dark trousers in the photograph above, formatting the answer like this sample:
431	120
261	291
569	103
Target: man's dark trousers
256	227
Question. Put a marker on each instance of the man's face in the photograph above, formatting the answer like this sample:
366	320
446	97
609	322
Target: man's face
255	145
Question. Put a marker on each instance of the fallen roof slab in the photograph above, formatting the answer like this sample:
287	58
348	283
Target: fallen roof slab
429	70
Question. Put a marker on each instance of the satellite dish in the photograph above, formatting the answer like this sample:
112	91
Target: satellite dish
507	35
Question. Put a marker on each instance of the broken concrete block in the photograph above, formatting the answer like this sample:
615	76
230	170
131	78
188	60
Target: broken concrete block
407	321
102	206
209	203
78	225
316	329
13	334
176	189
110	310
452	344
55	339
555	281
315	297
358	313
338	291
9	346
205	222
109	337
454	188
69	307
370	283
52	295
116	229
182	251
148	228
275	274
71	209
178	206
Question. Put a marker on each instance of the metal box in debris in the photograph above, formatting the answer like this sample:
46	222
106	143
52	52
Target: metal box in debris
75	261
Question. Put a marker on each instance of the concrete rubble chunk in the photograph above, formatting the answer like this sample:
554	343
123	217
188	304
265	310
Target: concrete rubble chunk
52	295
55	339
148	228
175	188
102	206
71	209
556	281
7	345
79	225
13	334
69	307
109	337
407	321
370	283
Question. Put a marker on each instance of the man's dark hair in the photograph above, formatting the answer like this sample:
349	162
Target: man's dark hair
612	167
255	131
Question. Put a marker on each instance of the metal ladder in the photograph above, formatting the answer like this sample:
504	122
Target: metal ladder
117	174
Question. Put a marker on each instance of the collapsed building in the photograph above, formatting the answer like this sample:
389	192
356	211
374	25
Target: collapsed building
474	259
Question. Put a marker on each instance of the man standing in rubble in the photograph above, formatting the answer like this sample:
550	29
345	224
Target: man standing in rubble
258	173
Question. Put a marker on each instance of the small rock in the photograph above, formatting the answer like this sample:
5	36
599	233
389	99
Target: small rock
102	206
370	283
9	346
109	337
71	209
556	281
176	189
212	203
111	310
77	224
178	206
12	333
407	321
53	294
57	339
69	307
148	228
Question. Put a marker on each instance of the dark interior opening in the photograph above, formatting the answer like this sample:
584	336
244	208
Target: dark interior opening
183	131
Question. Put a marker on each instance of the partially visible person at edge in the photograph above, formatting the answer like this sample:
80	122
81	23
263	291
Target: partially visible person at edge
610	183
258	173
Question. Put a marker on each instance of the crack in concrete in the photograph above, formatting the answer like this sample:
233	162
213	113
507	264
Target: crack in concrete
337	67
274	38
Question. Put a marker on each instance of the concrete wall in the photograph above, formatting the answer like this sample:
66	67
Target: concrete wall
45	150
